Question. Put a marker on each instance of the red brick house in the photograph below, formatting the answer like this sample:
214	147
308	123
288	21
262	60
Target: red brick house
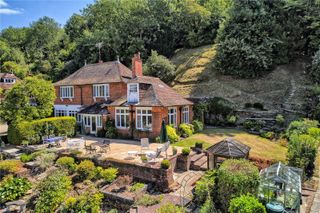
110	90
7	80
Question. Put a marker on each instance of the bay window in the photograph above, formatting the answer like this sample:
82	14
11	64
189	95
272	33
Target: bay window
100	90
66	92
172	116
185	115
122	117
144	118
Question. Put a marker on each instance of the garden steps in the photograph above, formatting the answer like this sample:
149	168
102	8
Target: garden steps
198	162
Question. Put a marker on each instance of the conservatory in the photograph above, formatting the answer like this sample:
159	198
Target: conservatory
280	188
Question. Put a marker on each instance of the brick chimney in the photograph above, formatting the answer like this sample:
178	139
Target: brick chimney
136	66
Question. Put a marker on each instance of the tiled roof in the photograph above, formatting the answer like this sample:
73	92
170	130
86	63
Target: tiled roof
98	73
8	75
97	108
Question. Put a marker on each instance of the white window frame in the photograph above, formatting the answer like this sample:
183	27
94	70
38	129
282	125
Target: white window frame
120	114
66	92
172	116
99	121
96	90
139	112
185	115
128	91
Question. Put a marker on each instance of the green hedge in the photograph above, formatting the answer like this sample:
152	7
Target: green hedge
34	131
246	204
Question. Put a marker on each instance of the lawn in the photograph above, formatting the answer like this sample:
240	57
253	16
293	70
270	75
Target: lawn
260	147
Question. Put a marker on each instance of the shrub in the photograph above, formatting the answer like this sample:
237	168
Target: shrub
113	211
67	163
199	145
52	192
186	130
172	134
232	119
144	158
280	120
136	187
109	175
302	152
198	126
300	127
86	170
246	204
170	208
236	177
10	166
165	164
45	160
205	187
208	206
258	105
186	151
26	158
12	188
253	125
314	132
248	105
111	130
87	202
148	200
268	135
33	131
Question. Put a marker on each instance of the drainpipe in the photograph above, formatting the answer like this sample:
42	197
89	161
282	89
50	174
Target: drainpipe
131	120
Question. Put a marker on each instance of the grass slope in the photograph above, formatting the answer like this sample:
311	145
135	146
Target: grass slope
260	147
196	78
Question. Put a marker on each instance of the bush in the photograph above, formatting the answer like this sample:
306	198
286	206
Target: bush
10	166
172	134
302	152
208	206
198	126
109	175
300	127
248	105
26	158
199	145
12	188
170	208
148	200
159	66
136	187
280	120
232	119
246	204
67	163
268	135
258	105
220	108
165	164
234	178
52	192
204	188
86	170
33	131
86	202
111	130
253	125
315	133
186	130
186	151
45	160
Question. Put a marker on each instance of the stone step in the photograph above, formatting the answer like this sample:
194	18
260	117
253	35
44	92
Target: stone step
200	164
196	157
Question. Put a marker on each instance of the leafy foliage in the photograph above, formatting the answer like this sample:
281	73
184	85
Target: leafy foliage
67	163
159	66
45	160
87	202
205	187
111	130
315	67
170	208
208	206
246	204
198	126
186	151
300	127
10	166
234	178
186	130
52	192
136	187
29	99
165	164
12	188
172	134
109	174
86	170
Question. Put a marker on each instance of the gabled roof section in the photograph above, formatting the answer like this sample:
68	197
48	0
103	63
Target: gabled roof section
99	73
158	94
229	148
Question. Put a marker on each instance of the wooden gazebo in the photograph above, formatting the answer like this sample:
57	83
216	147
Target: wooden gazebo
227	148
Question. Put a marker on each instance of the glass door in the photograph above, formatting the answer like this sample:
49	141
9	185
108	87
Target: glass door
93	125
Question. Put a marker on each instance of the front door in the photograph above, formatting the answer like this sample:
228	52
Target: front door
93	125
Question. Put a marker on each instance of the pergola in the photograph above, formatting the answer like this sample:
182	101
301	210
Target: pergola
227	148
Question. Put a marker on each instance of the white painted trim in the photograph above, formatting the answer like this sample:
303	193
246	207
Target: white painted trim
144	108
116	121
66	97
128	91
107	89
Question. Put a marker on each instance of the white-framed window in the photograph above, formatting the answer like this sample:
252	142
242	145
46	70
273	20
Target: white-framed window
79	118
87	120
59	113
144	118
172	116
72	113
99	121
122	117
185	114
133	93
66	92
100	90
9	80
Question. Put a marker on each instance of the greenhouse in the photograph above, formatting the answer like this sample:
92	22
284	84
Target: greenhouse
280	188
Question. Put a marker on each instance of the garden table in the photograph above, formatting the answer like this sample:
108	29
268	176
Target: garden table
53	140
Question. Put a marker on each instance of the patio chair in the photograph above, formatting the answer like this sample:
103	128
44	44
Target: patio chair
145	144
107	144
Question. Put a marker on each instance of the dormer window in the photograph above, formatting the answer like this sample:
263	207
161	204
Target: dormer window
66	92
133	93
9	80
100	90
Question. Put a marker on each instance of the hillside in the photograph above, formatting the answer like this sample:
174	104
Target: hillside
196	78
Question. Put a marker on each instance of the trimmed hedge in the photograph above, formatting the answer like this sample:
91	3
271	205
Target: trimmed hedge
34	131
246	204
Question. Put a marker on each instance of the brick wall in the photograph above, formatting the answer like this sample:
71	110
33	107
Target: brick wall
116	90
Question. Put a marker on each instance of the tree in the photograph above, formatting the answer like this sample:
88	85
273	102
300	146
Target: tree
12	67
31	98
75	27
248	44
159	66
315	67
